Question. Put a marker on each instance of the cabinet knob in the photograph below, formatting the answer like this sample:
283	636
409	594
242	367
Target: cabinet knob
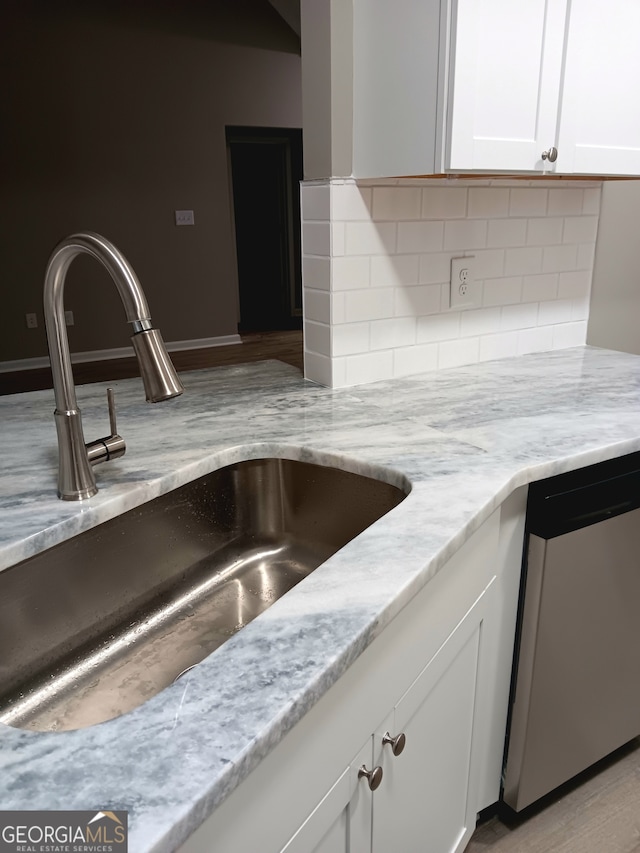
396	743
374	777
551	155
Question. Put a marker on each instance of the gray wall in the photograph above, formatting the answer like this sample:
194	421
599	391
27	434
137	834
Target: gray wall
614	317
110	123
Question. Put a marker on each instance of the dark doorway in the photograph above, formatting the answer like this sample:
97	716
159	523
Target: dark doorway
266	170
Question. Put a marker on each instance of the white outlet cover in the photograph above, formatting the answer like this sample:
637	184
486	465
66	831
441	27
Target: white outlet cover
463	290
184	217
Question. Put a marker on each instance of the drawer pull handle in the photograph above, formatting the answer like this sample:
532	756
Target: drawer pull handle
551	155
374	777
396	743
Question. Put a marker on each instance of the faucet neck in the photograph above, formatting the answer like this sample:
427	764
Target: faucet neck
75	475
129	288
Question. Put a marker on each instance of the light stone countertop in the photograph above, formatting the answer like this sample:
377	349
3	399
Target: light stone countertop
463	438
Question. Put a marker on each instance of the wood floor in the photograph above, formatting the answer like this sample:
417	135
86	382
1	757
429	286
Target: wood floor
285	346
598	812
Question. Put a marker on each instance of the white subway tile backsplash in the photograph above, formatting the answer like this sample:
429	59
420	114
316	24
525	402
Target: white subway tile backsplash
417	237
528	201
316	272
463	235
316	200
386	334
586	254
317	337
457	353
501	345
376	273
580	229
544	231
349	339
591	202
397	203
559	258
519	316
319	368
351	202
369	367
537	288
556	311
489	263
565	201
574	285
487	202
502	291
316	238
435	268
317	305
415	359
339	367
369	238
535	340
417	300
569	335
438	327
444	202
523	261
338	310
480	321
507	232
351	273
337	239
394	270
580	309
371	304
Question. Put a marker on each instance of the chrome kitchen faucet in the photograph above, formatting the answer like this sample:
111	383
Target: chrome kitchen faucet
75	475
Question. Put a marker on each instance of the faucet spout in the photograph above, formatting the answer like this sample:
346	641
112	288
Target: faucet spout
75	476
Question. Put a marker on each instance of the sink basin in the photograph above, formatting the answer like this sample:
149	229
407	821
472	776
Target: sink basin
97	625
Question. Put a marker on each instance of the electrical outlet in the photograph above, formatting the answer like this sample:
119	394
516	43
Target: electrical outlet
463	292
184	217
31	320
68	318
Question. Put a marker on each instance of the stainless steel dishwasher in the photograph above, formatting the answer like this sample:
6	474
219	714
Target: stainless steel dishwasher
576	685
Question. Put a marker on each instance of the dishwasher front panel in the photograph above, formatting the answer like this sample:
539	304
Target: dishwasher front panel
577	685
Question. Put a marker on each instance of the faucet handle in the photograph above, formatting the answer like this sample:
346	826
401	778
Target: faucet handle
111	403
113	445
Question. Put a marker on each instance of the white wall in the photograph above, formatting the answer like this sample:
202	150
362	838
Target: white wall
376	267
614	319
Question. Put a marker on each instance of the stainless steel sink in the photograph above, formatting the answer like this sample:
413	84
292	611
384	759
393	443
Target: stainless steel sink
95	626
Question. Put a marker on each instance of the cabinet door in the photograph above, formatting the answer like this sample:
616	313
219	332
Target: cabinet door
423	803
341	822
507	65
600	121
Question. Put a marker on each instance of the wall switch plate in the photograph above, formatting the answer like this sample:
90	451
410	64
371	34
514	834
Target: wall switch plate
184	217
463	292
31	320
68	318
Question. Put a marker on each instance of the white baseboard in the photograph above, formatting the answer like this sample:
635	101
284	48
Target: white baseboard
118	352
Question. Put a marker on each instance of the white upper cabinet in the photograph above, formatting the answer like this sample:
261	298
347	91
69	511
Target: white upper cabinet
599	124
506	74
537	75
466	86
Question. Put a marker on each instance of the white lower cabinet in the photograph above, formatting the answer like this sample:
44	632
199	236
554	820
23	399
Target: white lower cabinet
430	676
341	823
422	802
